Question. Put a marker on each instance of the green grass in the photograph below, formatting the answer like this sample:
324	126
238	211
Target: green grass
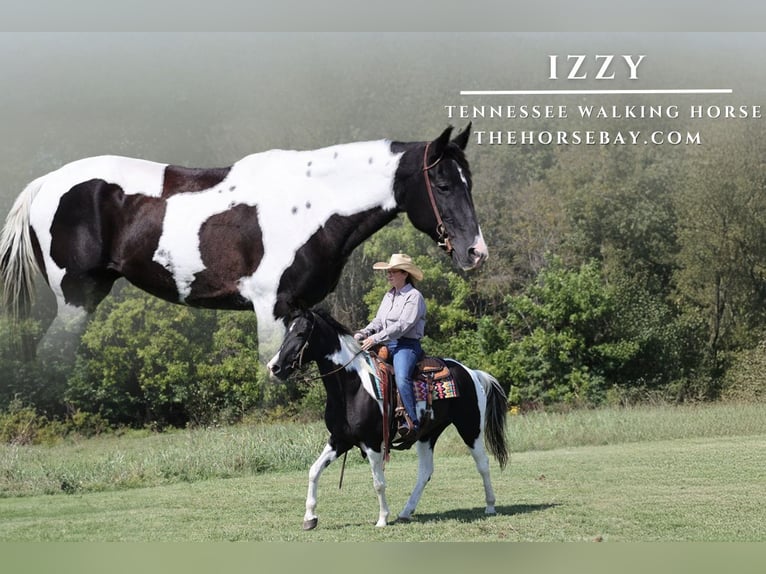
141	460
150	459
648	474
539	431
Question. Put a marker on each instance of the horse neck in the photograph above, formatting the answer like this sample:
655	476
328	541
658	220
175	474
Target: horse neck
363	176
338	382
362	226
333	366
345	193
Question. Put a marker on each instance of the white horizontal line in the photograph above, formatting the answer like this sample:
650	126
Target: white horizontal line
589	92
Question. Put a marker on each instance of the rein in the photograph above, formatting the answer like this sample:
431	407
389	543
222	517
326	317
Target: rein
297	364
343	366
443	237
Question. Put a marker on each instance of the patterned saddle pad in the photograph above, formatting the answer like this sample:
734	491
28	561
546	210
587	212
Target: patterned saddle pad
432	376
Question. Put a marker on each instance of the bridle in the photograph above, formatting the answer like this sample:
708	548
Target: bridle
443	237
297	363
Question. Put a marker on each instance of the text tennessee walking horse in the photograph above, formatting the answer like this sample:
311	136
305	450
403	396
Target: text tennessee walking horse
271	233
354	416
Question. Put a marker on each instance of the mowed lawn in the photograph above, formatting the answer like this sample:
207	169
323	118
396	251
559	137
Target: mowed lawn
695	488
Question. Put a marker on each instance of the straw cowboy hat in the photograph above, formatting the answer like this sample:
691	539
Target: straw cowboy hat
403	262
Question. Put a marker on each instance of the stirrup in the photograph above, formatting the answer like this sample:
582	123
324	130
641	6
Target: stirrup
406	428
403	441
403	417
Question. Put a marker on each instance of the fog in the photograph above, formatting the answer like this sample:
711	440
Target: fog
209	99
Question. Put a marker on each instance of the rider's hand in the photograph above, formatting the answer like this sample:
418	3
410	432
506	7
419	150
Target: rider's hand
368	344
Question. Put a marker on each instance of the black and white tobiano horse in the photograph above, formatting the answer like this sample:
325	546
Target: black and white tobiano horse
271	233
354	416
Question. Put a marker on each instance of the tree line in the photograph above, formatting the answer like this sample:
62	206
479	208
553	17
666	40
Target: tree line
616	275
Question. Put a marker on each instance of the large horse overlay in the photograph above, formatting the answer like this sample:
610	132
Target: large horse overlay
271	233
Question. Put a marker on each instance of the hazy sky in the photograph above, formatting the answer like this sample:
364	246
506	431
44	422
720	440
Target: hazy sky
208	99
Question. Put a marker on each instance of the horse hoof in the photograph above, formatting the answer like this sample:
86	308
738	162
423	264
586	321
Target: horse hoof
310	524
404	519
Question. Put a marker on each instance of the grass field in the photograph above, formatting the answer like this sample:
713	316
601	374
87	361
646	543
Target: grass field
644	474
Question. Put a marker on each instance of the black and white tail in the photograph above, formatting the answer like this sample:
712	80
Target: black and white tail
495	417
17	259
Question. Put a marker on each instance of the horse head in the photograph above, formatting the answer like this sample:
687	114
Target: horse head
295	349
312	335
434	186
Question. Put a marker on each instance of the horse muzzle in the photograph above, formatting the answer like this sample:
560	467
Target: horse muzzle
474	256
277	371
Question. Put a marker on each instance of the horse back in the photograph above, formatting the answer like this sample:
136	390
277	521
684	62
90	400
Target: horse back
79	216
103	217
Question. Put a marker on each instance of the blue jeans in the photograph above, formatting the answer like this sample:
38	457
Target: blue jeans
406	353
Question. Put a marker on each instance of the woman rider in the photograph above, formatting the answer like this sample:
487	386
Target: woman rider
399	325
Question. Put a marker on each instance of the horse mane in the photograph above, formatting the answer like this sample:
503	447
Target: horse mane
451	151
324	314
349	347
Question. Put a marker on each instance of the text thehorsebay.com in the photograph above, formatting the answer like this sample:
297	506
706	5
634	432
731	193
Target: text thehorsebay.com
591	112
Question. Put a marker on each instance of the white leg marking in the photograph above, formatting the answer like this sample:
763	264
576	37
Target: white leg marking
425	470
482	465
478	451
379	482
328	455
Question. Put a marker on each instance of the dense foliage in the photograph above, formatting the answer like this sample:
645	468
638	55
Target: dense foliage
616	275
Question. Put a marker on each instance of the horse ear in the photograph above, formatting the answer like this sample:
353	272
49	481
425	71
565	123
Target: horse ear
461	139
438	146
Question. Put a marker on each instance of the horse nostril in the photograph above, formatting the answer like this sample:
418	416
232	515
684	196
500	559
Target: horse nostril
477	255
274	369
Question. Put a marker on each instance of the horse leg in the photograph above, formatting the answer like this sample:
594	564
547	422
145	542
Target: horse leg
482	465
77	296
271	331
328	455
425	470
468	422
61	339
379	482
